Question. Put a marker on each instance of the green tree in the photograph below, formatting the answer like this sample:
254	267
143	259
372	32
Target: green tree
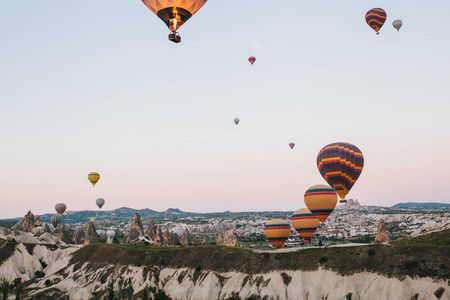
4	288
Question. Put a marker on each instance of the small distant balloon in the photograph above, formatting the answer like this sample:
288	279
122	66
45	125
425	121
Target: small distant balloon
277	231
100	202
93	177
236	121
92	220
397	24
292	145
252	59
55	220
101	233
60	208
375	18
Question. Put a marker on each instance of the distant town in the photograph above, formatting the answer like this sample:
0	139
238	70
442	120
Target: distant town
349	223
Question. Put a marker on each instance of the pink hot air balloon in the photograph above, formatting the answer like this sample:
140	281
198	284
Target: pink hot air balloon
252	59
292	145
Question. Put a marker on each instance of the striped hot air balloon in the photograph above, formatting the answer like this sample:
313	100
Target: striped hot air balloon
55	220
397	24
321	201
305	223
252	59
375	18
277	231
60	208
340	164
93	177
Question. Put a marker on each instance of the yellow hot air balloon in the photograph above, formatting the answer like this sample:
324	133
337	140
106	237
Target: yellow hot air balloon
174	13
92	220
93	177
305	223
321	201
277	231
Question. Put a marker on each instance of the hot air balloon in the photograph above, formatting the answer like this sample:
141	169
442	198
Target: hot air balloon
397	24
174	13
252	59
93	177
101	233
236	121
92	220
60	208
340	164
292	145
100	202
110	234
305	223
277	231
321	201
376	18
55	220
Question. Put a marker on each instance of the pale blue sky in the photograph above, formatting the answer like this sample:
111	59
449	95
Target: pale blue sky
96	86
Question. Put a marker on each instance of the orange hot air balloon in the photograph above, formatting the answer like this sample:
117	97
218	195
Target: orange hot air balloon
174	13
277	231
321	201
305	223
60	208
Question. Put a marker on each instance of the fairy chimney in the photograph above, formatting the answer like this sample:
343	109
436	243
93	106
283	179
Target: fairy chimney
136	230
382	236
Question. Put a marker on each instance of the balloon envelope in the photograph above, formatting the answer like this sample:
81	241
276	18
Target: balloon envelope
60	208
110	233
93	177
55	220
321	201
397	24
292	145
252	59
101	233
305	223
375	18
92	220
340	164
174	13
100	202
236	121
277	231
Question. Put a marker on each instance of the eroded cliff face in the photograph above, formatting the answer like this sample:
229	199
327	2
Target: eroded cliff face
82	281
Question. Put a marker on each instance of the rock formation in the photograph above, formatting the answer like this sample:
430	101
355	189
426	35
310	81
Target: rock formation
26	224
167	239
227	239
91	236
186	238
136	230
151	231
65	234
37	221
158	235
382	236
47	228
79	237
175	239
